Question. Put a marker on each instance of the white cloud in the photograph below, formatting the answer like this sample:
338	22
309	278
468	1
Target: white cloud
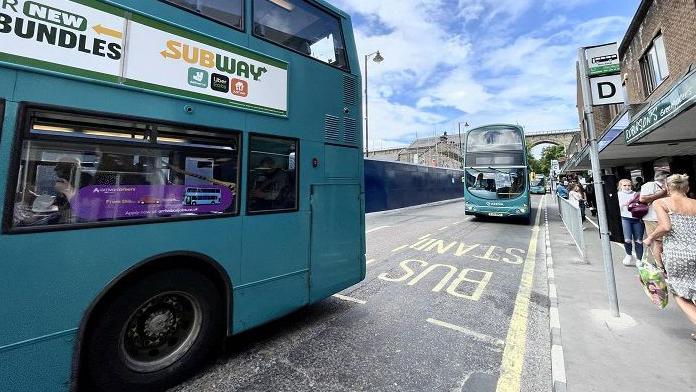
435	75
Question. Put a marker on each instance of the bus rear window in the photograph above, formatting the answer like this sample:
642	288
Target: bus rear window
75	173
302	27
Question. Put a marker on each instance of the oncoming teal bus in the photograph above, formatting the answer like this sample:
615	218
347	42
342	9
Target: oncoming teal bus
113	113
496	172
537	185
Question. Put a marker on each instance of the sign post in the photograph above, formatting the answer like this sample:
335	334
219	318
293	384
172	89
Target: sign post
603	60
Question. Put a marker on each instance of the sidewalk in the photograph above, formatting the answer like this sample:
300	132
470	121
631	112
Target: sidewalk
646	349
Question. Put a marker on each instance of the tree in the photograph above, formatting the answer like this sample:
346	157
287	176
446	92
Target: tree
533	163
547	155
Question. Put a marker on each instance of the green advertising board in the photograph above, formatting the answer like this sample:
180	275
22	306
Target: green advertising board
679	98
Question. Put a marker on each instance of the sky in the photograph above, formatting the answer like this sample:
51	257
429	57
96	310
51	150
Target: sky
476	61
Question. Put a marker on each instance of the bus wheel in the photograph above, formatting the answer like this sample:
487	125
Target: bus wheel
155	332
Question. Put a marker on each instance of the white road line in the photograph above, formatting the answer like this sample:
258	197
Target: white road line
557	359
553	293
370	261
351	299
442	228
376	228
558	368
593	222
475	335
399	248
555	319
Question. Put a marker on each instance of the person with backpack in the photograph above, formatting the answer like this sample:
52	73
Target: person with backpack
633	228
649	193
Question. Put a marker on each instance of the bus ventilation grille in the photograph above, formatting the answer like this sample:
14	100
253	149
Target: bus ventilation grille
349	91
332	132
350	127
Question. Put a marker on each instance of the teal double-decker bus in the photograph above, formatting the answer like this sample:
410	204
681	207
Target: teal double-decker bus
116	114
496	172
537	185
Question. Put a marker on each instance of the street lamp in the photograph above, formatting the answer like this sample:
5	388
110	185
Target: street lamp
466	125
377	59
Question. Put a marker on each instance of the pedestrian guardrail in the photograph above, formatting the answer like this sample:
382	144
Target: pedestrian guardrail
572	219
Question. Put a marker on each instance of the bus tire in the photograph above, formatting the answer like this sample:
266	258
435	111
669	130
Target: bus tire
154	333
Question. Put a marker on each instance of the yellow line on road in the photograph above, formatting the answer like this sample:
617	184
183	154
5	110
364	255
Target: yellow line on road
399	248
516	340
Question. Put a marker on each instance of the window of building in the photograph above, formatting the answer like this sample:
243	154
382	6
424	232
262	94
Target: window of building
302	27
653	65
228	12
76	170
272	176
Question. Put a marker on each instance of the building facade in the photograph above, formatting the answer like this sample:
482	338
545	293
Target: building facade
657	125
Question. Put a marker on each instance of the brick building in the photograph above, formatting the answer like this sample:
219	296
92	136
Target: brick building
657	125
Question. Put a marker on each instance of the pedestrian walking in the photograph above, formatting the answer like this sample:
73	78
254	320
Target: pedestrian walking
639	184
649	192
676	216
591	197
633	228
578	199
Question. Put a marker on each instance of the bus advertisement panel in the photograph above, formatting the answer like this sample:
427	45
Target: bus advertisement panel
87	38
496	179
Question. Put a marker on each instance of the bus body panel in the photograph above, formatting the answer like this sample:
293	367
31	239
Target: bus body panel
38	366
50	278
335	253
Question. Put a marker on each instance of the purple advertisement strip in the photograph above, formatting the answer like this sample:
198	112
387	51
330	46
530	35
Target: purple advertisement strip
99	202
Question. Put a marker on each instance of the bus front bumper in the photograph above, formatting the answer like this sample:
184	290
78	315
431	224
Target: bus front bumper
499	211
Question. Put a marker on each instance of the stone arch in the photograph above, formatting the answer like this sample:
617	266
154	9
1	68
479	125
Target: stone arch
538	142
562	137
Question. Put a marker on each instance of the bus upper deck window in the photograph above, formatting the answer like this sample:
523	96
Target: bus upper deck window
228	12
302	27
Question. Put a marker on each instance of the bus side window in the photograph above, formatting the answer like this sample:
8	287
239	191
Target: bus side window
272	179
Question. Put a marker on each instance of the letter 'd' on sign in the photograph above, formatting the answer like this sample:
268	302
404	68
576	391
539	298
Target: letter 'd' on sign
606	90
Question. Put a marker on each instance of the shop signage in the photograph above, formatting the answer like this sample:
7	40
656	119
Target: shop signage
91	39
603	60
679	98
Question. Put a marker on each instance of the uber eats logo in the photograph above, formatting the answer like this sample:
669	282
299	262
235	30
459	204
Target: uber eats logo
45	24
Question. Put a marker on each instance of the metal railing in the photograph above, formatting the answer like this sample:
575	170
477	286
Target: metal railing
572	219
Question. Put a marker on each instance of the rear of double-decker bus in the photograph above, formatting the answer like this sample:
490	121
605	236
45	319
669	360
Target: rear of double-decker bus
496	174
172	173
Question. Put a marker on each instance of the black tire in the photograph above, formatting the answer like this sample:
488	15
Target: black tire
115	345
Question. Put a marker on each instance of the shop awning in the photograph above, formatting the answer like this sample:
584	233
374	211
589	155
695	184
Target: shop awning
666	127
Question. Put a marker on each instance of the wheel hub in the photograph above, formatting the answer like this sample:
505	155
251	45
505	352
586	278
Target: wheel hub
160	331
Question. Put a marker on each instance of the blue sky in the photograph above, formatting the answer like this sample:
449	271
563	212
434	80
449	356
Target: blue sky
479	61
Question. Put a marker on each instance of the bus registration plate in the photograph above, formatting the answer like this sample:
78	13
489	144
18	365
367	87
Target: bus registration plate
495	214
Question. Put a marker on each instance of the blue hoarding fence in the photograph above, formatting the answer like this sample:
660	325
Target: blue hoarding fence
390	185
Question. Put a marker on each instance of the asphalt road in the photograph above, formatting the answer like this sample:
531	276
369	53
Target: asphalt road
450	303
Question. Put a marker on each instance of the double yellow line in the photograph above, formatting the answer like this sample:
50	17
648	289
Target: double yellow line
516	340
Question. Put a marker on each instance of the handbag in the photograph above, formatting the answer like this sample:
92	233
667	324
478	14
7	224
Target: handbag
653	281
636	208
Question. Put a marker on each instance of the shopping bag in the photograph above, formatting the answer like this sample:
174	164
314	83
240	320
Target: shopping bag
654	283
